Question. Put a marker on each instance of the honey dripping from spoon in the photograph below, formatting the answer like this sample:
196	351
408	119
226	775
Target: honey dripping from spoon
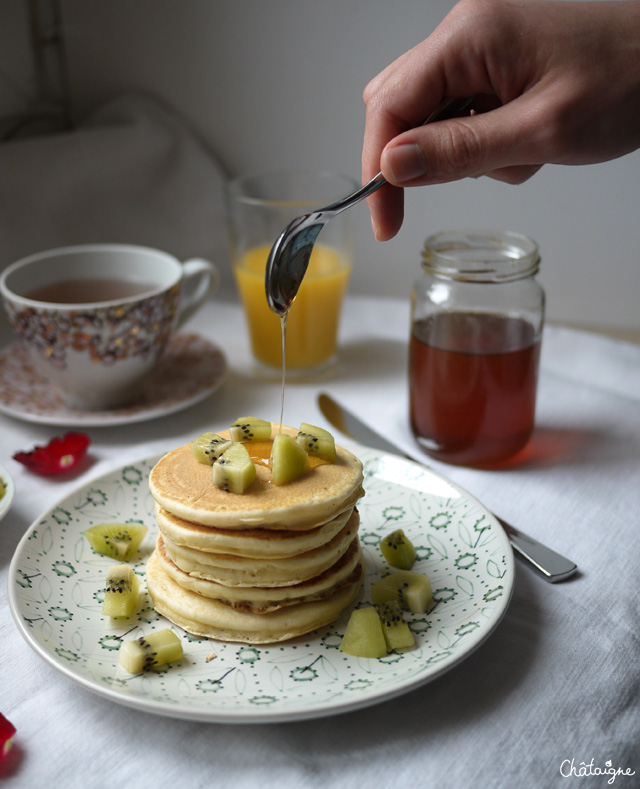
283	336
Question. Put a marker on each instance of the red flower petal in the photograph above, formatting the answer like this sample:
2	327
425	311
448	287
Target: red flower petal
58	456
7	730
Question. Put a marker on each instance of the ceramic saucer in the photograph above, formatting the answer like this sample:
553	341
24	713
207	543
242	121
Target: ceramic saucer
190	370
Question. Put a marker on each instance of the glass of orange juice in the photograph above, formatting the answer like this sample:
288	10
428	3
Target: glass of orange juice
259	208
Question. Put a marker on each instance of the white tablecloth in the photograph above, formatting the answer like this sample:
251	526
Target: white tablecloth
556	685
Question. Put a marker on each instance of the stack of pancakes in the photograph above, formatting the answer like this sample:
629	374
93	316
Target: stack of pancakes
264	566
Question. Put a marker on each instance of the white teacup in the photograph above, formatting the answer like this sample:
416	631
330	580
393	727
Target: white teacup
96	318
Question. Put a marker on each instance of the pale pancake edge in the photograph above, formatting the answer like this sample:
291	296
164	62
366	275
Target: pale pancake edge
256	543
242	571
208	618
260	599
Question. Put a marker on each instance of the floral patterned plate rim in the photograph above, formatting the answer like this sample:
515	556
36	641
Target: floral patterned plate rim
55	595
9	491
190	370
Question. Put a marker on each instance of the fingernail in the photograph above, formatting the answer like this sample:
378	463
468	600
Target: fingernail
406	162
374	227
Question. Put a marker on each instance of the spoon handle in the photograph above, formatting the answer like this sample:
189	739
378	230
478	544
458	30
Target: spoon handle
447	108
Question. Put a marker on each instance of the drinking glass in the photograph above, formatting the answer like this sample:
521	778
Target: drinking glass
260	206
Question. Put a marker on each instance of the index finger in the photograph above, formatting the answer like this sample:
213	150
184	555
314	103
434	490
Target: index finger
398	99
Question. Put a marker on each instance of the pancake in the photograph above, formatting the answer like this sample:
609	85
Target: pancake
264	566
208	618
233	570
261	599
183	487
256	543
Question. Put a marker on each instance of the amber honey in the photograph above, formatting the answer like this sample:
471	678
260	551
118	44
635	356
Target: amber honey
477	317
473	381
260	453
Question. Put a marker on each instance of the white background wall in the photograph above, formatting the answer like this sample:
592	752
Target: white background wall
278	84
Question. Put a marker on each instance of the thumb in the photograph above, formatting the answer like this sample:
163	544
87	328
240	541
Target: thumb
463	147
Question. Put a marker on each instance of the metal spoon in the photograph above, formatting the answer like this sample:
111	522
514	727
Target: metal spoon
289	256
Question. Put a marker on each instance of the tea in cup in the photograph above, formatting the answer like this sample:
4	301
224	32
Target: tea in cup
96	318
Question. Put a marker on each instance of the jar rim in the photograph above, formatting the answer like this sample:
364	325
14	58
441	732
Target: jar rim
479	255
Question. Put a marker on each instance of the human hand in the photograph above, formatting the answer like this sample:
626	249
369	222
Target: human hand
556	82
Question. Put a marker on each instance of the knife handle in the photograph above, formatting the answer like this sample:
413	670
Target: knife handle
551	565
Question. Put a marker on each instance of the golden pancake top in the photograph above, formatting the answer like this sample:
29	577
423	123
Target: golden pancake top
184	487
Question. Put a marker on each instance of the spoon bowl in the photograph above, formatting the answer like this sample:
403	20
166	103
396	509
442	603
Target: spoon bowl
289	256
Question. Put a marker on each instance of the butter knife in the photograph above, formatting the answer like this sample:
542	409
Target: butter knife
550	565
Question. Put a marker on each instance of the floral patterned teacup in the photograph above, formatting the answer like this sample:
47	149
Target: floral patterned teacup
96	318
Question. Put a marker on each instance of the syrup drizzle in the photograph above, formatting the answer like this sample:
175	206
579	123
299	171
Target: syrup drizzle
283	334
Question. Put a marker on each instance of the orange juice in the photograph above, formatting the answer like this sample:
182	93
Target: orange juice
312	322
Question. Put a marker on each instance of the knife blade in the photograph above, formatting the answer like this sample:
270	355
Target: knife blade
552	566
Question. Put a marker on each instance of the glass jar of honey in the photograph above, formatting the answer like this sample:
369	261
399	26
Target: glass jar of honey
477	318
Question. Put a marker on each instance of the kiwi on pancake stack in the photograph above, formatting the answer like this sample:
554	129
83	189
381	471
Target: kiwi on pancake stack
258	539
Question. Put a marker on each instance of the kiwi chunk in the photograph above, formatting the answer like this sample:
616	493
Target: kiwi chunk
208	447
250	428
116	540
398	550
288	460
394	626
121	591
234	470
411	590
156	649
363	636
316	441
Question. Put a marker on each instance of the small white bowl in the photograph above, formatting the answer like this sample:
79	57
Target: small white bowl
5	501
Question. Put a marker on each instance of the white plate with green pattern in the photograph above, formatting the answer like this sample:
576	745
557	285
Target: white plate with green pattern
55	594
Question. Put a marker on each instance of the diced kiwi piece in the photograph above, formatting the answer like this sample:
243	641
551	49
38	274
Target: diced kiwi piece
411	590
288	460
116	540
394	626
250	428
121	591
156	649
234	470
363	636
398	550
316	441
208	447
